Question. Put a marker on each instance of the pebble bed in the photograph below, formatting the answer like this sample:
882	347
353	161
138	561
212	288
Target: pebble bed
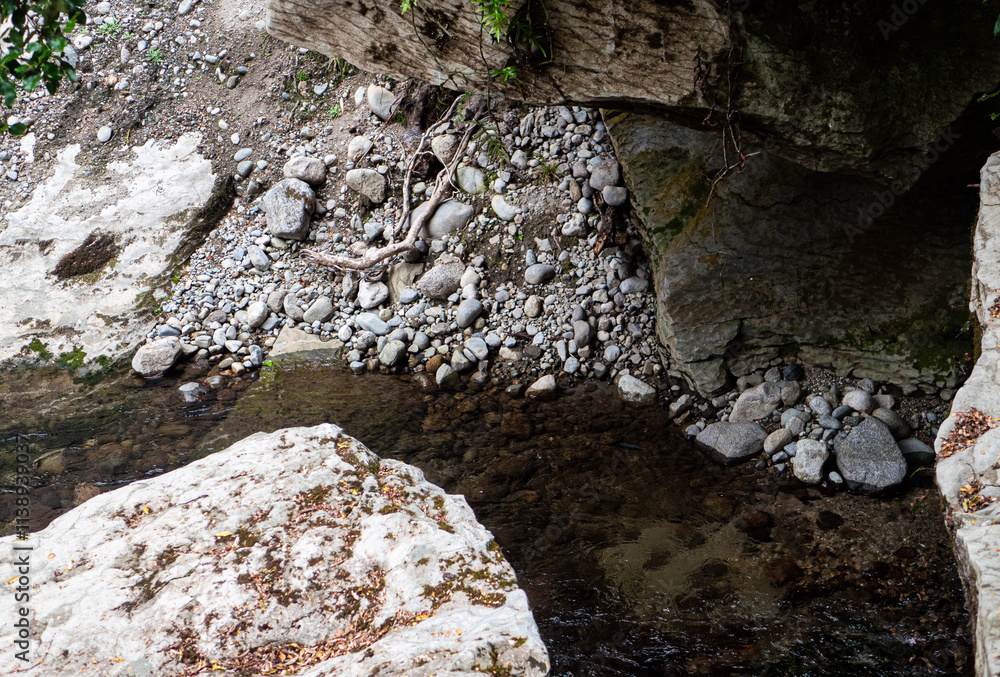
562	308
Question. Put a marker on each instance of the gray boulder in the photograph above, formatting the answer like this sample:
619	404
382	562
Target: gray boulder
730	443
443	279
372	294
756	403
156	357
380	101
539	273
899	428
858	400
257	313
605	173
450	215
392	353
470	179
290	304
542	389
467	312
309	169
288	206
869	458
358	147
778	440
182	557
368	183
373	323
916	453
444	146
321	310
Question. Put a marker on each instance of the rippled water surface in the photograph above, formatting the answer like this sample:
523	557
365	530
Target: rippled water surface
639	555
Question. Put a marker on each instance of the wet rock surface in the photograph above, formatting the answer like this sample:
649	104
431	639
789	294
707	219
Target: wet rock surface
966	444
565	487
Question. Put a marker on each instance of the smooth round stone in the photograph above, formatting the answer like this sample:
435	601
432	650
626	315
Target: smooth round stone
478	348
408	295
242	154
393	353
533	306
829	422
820	406
446	377
634	285
840	412
615	196
467	312
104	134
539	273
258	258
858	400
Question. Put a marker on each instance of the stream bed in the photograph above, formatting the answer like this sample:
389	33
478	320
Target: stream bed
639	555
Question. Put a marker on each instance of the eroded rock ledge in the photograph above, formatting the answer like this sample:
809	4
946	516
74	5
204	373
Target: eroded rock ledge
299	548
835	87
968	447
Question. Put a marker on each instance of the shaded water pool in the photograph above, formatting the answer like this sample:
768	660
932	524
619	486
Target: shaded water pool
639	555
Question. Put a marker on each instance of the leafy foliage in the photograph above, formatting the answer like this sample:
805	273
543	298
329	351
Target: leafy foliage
33	47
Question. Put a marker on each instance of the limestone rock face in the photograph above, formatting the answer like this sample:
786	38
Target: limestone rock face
305	541
977	533
786	259
80	260
835	87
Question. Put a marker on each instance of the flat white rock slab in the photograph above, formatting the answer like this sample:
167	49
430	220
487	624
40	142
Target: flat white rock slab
146	202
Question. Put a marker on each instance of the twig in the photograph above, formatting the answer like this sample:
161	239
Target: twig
442	186
409	170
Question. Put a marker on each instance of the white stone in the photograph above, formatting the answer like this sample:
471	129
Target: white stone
260	535
143	201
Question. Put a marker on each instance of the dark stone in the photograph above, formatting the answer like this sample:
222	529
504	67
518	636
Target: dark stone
869	458
794	372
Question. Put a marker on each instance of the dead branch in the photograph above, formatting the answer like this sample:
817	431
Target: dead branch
442	186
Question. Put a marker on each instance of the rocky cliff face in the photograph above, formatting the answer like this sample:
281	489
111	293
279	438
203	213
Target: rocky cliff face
968	442
778	259
859	86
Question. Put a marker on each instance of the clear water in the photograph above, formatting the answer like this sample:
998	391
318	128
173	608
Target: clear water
639	555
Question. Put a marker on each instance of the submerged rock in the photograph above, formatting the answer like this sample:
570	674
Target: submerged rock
810	455
306	541
636	391
732	443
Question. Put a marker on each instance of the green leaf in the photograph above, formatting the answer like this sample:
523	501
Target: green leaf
18	129
9	93
31	81
996	27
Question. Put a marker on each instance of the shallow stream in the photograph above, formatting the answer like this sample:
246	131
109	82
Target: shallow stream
639	555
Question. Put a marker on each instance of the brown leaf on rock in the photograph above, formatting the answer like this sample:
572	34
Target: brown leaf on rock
969	427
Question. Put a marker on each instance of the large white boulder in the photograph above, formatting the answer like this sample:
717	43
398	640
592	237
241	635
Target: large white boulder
299	547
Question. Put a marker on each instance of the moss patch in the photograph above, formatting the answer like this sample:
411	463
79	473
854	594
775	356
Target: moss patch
90	257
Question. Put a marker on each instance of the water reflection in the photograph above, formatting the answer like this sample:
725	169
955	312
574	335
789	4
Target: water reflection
639	555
